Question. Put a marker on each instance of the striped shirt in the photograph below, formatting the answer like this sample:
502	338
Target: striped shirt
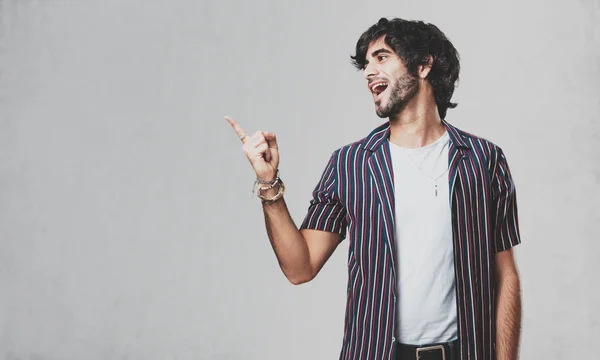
355	198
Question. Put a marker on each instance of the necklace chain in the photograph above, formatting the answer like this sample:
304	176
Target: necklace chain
435	179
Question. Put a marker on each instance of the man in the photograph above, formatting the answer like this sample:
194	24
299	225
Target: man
429	210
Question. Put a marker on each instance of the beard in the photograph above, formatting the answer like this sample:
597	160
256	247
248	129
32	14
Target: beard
403	90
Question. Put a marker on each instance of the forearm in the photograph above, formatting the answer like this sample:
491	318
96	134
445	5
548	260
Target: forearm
508	318
289	245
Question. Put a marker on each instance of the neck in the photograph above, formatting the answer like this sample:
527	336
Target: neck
418	124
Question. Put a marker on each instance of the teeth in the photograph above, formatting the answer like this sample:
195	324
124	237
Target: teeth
377	85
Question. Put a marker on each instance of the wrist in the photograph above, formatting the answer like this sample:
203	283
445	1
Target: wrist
269	191
268	178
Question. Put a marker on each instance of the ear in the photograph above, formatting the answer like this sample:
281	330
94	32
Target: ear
425	68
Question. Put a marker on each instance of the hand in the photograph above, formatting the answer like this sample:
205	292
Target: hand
261	150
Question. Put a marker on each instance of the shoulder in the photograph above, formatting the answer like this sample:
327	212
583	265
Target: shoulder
353	156
482	151
366	144
479	145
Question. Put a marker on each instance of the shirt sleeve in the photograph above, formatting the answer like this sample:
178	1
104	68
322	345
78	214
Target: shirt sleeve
506	220
326	212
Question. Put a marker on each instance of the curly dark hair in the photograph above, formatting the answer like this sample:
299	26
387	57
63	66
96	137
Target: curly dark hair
413	42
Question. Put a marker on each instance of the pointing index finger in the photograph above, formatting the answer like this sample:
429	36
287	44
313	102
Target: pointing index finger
237	128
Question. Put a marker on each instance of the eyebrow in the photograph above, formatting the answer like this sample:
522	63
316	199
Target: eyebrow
380	51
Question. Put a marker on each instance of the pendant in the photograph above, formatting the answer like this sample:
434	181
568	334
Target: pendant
435	187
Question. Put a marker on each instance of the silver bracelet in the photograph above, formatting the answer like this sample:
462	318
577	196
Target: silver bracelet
256	188
269	182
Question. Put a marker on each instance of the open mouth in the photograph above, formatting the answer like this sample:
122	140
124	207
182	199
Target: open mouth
377	89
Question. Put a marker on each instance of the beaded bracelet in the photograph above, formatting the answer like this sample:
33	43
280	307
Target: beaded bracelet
277	196
275	182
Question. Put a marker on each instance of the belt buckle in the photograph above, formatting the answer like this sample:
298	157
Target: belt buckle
429	348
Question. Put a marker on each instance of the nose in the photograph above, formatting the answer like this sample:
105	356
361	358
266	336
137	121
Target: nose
370	70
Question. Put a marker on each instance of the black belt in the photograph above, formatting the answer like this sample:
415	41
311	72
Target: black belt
442	351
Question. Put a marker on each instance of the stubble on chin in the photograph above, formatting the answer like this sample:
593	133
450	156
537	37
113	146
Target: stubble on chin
405	89
381	112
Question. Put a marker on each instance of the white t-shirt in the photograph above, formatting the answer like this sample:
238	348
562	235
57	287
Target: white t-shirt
426	303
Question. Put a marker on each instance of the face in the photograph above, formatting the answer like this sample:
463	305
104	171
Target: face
390	84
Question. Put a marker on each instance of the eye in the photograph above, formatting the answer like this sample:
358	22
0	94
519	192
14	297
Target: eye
381	57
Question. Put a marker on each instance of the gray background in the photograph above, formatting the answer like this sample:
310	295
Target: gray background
127	225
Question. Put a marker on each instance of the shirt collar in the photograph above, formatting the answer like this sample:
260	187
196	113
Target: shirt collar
379	136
